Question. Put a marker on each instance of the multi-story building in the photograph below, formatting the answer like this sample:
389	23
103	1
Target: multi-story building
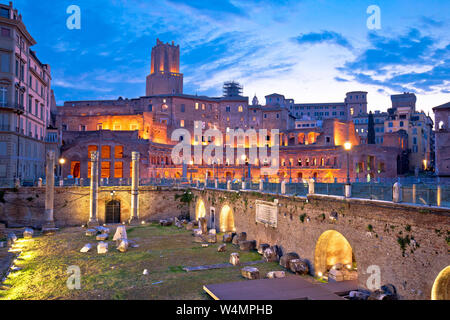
361	122
25	101
118	127
419	127
442	139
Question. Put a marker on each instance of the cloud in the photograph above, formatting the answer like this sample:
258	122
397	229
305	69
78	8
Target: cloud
323	37
430	22
412	61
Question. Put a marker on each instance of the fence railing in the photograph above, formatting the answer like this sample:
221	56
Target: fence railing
418	194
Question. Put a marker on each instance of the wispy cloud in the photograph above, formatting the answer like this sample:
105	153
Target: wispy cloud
323	37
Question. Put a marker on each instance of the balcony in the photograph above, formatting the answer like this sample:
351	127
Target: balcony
13	106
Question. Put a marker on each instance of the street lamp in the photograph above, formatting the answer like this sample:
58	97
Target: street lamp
348	147
244	157
62	161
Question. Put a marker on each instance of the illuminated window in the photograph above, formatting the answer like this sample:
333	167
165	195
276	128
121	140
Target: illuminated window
106	168
99	127
182	123
196	106
118	169
134	127
241	109
118	152
352	111
75	169
228	119
203	106
89	169
117	127
106	152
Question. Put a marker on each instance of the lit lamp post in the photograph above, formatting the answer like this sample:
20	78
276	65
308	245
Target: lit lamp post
348	147
62	161
244	157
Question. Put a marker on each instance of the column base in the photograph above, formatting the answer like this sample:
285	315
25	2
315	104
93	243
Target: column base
134	221
49	228
93	223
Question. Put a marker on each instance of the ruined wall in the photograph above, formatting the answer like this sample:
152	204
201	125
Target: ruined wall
374	229
25	207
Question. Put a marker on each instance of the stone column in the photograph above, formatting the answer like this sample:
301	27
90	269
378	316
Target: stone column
228	185
261	185
283	187
397	192
93	220
40	182
135	189
49	190
414	193
348	190
438	196
216	183
311	189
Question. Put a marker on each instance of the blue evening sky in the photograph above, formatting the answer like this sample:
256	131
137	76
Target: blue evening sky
312	51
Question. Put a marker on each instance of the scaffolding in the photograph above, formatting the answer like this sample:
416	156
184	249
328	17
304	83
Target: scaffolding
232	89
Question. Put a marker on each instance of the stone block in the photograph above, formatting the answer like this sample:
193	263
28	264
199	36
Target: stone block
165	223
276	274
91	232
250	273
103	230
270	255
262	247
86	248
239	237
123	246
28	233
190	226
247	245
299	266
212	238
227	238
102	248
286	259
102	237
222	248
234	259
203	225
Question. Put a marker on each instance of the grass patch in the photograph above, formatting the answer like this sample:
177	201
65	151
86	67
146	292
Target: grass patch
163	251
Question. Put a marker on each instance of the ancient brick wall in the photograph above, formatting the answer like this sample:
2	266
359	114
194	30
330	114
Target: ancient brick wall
25	207
378	233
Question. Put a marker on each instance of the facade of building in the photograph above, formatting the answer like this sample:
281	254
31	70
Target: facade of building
442	139
25	101
419	127
146	124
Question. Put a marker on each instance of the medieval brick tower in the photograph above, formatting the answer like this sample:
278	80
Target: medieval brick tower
165	76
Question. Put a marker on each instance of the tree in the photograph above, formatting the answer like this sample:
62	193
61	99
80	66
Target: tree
371	130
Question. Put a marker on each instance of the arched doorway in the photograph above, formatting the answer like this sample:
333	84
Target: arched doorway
112	215
200	210
227	219
333	248
441	286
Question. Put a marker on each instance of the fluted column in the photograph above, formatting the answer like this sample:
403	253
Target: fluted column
135	189
49	190
93	220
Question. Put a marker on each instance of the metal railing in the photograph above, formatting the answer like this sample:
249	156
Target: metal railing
418	194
